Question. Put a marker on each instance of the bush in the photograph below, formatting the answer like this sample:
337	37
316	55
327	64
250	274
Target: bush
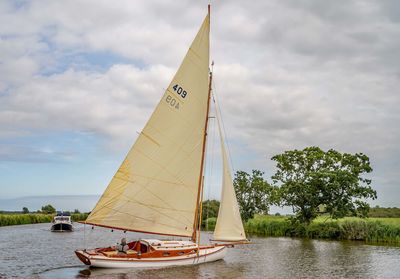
330	230
209	224
268	226
79	216
48	209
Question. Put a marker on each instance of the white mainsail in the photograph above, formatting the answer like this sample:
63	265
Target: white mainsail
155	189
229	226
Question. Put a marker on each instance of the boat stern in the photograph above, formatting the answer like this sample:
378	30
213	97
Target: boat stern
83	256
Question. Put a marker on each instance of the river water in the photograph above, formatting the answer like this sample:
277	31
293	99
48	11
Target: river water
32	251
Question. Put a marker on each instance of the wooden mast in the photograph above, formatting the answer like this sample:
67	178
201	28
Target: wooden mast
197	222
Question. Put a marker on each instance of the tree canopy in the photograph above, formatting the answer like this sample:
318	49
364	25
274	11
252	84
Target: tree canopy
253	193
48	209
313	182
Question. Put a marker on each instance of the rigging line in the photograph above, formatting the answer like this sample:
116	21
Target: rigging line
201	211
84	235
219	112
196	234
210	177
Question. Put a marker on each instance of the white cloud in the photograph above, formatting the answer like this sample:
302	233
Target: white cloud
289	74
112	104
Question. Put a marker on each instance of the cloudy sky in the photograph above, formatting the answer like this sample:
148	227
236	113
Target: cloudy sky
79	79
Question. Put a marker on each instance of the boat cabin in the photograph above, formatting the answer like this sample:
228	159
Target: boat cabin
62	219
62	222
150	248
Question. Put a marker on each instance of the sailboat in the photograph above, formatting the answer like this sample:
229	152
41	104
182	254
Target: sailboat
158	189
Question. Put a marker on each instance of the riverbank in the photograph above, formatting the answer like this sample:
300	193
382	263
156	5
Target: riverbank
370	230
34	218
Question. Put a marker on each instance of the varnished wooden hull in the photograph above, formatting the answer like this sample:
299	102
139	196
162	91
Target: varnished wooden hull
206	254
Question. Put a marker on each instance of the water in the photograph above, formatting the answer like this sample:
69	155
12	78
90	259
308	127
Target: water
32	251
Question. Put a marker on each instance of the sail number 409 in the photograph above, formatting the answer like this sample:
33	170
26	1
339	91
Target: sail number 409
172	101
180	91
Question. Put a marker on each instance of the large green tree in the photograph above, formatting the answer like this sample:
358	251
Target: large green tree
253	193
313	182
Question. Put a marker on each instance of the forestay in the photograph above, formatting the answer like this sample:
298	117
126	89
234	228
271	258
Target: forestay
155	189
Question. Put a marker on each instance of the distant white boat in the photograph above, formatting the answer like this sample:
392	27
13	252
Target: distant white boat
62	222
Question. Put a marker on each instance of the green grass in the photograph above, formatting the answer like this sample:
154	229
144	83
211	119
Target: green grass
33	218
209	224
387	221
20	219
79	216
351	228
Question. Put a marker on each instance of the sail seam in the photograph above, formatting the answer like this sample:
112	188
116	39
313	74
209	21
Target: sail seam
164	214
144	188
137	217
131	230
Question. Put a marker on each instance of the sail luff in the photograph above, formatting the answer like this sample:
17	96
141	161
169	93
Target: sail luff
197	221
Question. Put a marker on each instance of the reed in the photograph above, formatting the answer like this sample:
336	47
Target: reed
263	225
209	224
21	219
383	230
33	218
79	216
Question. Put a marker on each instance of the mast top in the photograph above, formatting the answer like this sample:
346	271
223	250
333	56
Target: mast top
209	8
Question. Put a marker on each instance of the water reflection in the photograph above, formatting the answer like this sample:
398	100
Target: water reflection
38	253
220	269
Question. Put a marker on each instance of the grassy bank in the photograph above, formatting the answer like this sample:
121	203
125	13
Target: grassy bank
370	230
33	218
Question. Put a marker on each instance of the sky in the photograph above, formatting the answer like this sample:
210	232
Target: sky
79	79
